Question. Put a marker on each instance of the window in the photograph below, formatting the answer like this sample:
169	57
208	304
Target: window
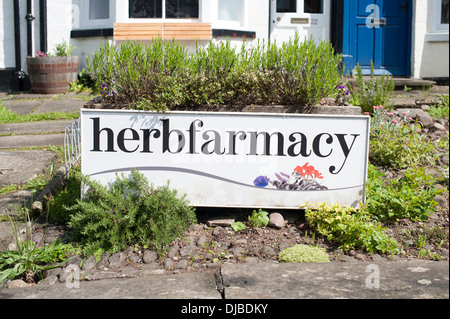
313	6
172	9
444	12
229	10
98	9
286	5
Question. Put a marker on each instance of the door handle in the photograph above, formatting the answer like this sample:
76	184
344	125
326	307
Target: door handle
376	21
405	6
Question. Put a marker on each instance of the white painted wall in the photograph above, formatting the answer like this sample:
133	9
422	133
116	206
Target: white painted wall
430	52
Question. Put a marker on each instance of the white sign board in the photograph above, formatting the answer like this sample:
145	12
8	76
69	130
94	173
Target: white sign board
232	159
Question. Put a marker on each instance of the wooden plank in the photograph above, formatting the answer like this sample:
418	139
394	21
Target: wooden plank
149	31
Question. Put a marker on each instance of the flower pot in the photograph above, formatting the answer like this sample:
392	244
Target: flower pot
52	75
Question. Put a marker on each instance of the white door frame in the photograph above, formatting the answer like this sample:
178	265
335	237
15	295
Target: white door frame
283	25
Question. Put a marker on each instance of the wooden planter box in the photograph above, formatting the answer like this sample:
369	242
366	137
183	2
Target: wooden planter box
52	75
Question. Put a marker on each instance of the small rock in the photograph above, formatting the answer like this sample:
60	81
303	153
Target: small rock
117	259
173	251
202	241
284	245
252	260
440	199
444	252
269	251
359	256
168	264
439	127
150	256
104	262
18	283
182	264
276	220
348	259
89	263
219	231
49	281
377	258
220	221
186	251
238	251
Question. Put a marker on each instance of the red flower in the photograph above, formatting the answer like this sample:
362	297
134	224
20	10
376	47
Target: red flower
308	170
234	35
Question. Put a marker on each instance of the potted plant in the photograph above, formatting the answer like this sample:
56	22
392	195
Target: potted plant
52	73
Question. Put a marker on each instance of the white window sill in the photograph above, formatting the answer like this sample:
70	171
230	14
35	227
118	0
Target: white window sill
436	37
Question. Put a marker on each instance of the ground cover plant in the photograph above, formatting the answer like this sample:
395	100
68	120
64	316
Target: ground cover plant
154	77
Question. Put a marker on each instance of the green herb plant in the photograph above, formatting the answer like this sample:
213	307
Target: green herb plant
258	219
129	212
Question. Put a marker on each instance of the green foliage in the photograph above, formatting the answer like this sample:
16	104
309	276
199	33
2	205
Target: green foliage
441	110
304	254
237	226
408	197
29	262
350	228
258	219
376	91
63	49
129	212
394	144
58	205
154	77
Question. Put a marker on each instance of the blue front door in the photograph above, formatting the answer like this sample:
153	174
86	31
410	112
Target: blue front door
378	31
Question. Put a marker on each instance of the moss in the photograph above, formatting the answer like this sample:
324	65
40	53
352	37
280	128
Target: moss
304	254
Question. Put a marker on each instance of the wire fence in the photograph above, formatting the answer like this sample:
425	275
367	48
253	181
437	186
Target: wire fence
72	145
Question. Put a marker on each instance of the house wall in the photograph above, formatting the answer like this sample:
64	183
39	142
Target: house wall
430	52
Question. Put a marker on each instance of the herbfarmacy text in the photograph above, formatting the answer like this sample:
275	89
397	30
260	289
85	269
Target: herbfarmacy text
230	308
195	139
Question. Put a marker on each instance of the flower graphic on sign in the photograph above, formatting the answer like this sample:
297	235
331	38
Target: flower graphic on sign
302	178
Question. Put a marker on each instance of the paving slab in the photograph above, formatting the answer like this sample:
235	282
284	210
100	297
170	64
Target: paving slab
175	286
18	167
35	127
33	140
361	280
67	106
22	107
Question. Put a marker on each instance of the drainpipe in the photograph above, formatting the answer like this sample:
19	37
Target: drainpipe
270	19
29	17
18	74
43	24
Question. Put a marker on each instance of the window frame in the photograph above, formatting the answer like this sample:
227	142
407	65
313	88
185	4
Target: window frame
86	22
163	18
229	24
436	14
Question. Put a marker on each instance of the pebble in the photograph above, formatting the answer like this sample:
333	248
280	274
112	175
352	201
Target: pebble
149	256
276	220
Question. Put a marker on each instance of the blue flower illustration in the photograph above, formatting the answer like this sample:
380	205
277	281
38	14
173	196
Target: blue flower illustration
261	181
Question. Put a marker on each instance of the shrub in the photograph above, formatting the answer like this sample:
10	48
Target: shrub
165	76
377	91
303	254
129	212
350	228
393	143
408	197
